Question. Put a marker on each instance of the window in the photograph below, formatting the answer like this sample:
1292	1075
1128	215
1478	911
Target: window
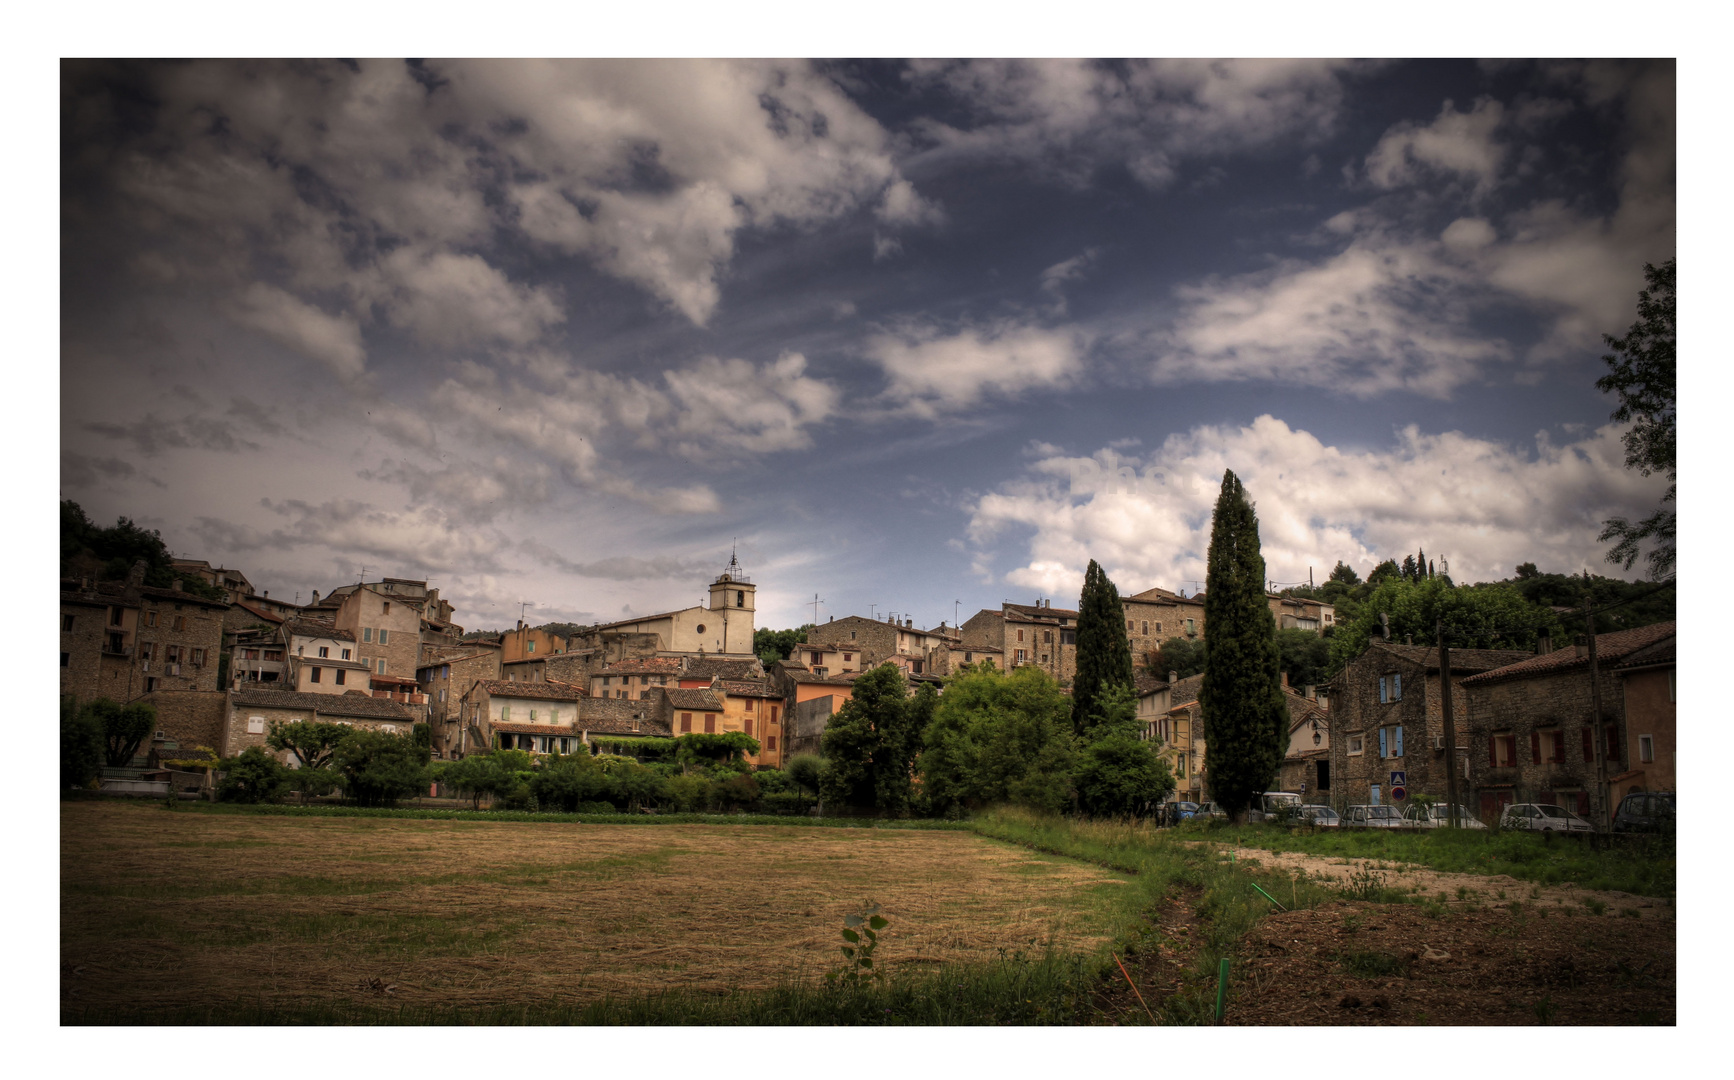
686	721
150	618
751	706
381	667
180	622
340	674
314	677
1158	627
1020	654
1128	626
114	617
505	713
771	743
1356	747
740	598
385	609
1670	678
773	714
1373	794
848	657
710	723
915	666
150	683
1556	747
367	635
1190	626
1020	635
255	725
147	650
65	623
1145	627
819	671
1068	637
532	716
749	725
1044	658
382	633
605	679
1502	750
1646	745
64	657
1047	637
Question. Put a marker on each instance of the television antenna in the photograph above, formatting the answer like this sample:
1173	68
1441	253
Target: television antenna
521	606
816	603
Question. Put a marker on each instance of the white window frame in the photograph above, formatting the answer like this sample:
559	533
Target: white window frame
1646	749
255	725
1357	745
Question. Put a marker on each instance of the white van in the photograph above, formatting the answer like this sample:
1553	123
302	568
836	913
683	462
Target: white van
1275	806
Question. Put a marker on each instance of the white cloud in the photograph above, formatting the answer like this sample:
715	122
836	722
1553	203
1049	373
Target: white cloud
424	540
1070	117
1480	504
333	340
1056	277
459	300
1455	142
736	405
1379	316
931	372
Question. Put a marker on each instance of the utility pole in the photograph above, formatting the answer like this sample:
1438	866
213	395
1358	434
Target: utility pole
1598	735
1450	725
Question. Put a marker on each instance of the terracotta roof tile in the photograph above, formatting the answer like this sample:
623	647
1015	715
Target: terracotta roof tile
711	666
646	665
353	703
747	688
690	699
1610	649
532	691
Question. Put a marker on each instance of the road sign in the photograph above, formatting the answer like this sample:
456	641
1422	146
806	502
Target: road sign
1399	778
1398	794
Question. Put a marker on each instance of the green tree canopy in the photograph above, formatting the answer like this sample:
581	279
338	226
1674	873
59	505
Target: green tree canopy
378	769
124	727
999	738
1182	656
1104	651
870	745
251	777
1245	718
81	745
313	742
773	645
1477	616
497	773
118	547
1641	372
1306	657
1344	573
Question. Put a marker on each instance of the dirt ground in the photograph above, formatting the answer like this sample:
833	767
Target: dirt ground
1477	888
188	909
1512	964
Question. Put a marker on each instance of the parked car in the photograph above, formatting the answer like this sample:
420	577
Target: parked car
1373	817
1210	811
1438	816
1175	812
1321	817
1274	806
1543	817
1645	811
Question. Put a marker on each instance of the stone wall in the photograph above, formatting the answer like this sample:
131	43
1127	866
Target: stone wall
190	718
1532	712
809	721
172	626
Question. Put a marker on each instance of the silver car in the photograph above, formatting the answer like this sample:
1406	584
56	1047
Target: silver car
1320	817
1543	817
1373	817
1439	817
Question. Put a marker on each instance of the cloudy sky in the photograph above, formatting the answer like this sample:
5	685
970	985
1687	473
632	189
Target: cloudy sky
909	333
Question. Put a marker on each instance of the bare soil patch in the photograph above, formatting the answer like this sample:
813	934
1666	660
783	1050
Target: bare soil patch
182	909
1516	964
1476	888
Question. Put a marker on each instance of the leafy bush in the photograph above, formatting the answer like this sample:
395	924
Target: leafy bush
568	782
311	783
773	780
379	769
999	738
735	792
124	727
690	794
313	742
785	802
803	769
498	773
714	748
645	750
254	776
81	747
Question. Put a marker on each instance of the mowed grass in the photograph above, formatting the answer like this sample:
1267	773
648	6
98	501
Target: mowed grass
168	915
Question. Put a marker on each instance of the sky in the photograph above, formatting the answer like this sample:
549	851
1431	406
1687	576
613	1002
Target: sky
911	337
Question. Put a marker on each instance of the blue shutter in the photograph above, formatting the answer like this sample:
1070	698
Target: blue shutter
1382	697
1399	752
1382	743
1397	688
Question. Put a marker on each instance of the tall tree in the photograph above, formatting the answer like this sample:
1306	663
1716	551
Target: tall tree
871	744
1642	374
999	737
1245	718
1104	650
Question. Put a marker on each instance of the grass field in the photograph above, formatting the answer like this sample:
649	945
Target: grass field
165	914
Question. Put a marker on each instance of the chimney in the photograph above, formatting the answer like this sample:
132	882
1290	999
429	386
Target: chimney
1285	680
1408	639
267	594
1543	645
1312	693
1173	676
1582	644
314	602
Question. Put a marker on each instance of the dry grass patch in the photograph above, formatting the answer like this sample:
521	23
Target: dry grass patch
175	910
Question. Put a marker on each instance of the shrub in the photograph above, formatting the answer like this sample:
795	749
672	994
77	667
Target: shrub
803	769
313	782
567	782
737	791
379	769
254	776
81	749
690	794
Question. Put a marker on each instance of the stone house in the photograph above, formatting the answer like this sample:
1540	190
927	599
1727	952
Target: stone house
529	643
1386	718
1532	728
385	626
1155	615
832	659
638	679
1027	634
321	658
694	712
257	657
233	582
809	702
1647	685
541	717
252	712
874	641
1300	613
1306	766
1153	703
122	640
948	656
703	671
445	679
755	707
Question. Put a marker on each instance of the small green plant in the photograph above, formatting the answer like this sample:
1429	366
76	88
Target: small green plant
1535	892
1629	913
859	954
1366	884
1373	965
1544	1010
1433	909
1351	923
1599	907
1462	892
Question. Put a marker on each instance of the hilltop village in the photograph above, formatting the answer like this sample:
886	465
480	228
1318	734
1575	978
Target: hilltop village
222	663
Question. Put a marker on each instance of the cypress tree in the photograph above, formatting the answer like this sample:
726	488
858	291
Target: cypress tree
1245	717
1104	650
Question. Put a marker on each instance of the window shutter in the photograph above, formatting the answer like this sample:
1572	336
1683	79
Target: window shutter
1399	741
1613	750
1493	751
1589	749
1382	743
1382	697
1535	746
1397	687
